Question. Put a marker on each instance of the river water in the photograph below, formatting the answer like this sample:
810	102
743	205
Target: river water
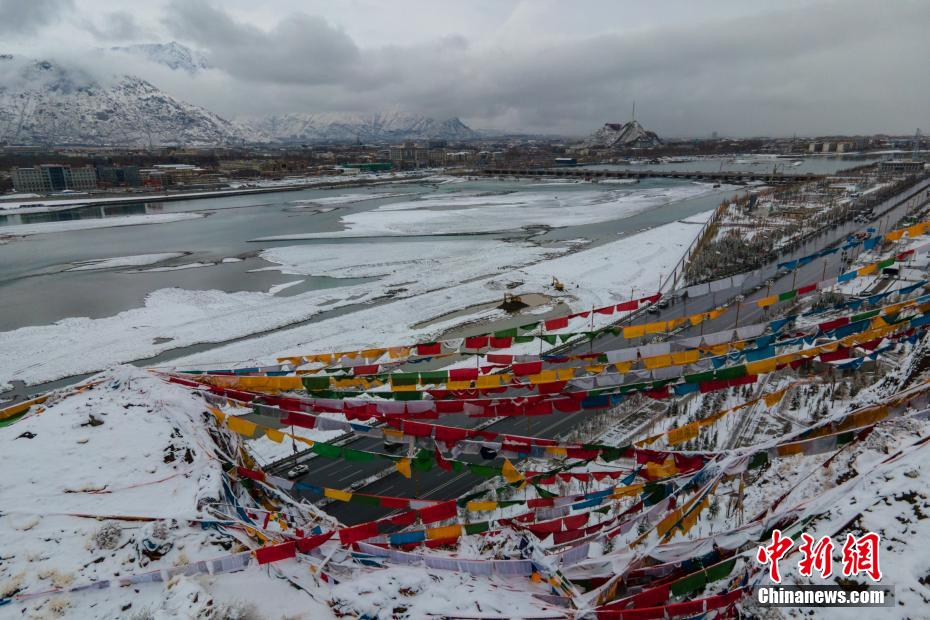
37	288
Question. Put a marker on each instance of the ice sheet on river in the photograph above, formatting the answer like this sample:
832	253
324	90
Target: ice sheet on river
443	214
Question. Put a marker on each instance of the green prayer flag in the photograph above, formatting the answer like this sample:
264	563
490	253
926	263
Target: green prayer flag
700	377
327	449
733	372
506	333
691	583
787	295
313	383
485	471
369	500
405	378
434	376
721	570
477	528
758	460
548	338
408	395
863	315
357	455
888	262
529	326
524	339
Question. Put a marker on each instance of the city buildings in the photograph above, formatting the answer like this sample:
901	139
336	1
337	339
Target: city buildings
54	178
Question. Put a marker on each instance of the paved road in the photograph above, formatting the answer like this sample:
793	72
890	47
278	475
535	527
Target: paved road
440	485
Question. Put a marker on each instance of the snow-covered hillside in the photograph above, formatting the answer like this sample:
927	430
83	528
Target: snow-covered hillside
622	135
172	55
46	103
388	126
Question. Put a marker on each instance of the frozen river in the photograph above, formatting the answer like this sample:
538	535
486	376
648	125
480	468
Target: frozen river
81	298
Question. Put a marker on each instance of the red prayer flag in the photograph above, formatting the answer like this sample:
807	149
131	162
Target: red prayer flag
500	358
248	473
433	348
306	545
463	374
558	323
476	342
349	535
370	369
501	343
807	289
605	310
628	306
438	512
264	555
527	368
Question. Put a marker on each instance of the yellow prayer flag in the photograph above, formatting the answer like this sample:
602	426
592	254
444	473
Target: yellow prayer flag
439	533
372	354
656	328
717	313
475	506
663	470
668	522
762	366
767	301
623	366
556	451
458	385
634	331
274	435
682	433
219	415
917	229
398	352
774	398
240	426
488	381
336	494
626	491
510	473
790	448
657	361
686	357
403	466
894	235
868	269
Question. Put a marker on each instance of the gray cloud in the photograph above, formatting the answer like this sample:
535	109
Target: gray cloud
798	66
300	49
19	18
116	26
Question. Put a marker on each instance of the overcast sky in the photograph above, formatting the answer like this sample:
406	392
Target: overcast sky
739	68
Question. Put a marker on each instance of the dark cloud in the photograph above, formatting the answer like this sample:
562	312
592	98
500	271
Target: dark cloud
19	18
804	66
300	49
116	26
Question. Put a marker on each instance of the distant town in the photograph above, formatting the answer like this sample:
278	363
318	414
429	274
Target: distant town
66	170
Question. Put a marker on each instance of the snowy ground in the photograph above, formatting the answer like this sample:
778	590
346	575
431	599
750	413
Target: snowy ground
416	283
441	214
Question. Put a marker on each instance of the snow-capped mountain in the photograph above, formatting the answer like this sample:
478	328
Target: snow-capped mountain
389	126
622	135
45	103
171	54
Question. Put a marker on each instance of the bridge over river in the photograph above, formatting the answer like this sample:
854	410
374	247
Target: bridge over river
723	176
